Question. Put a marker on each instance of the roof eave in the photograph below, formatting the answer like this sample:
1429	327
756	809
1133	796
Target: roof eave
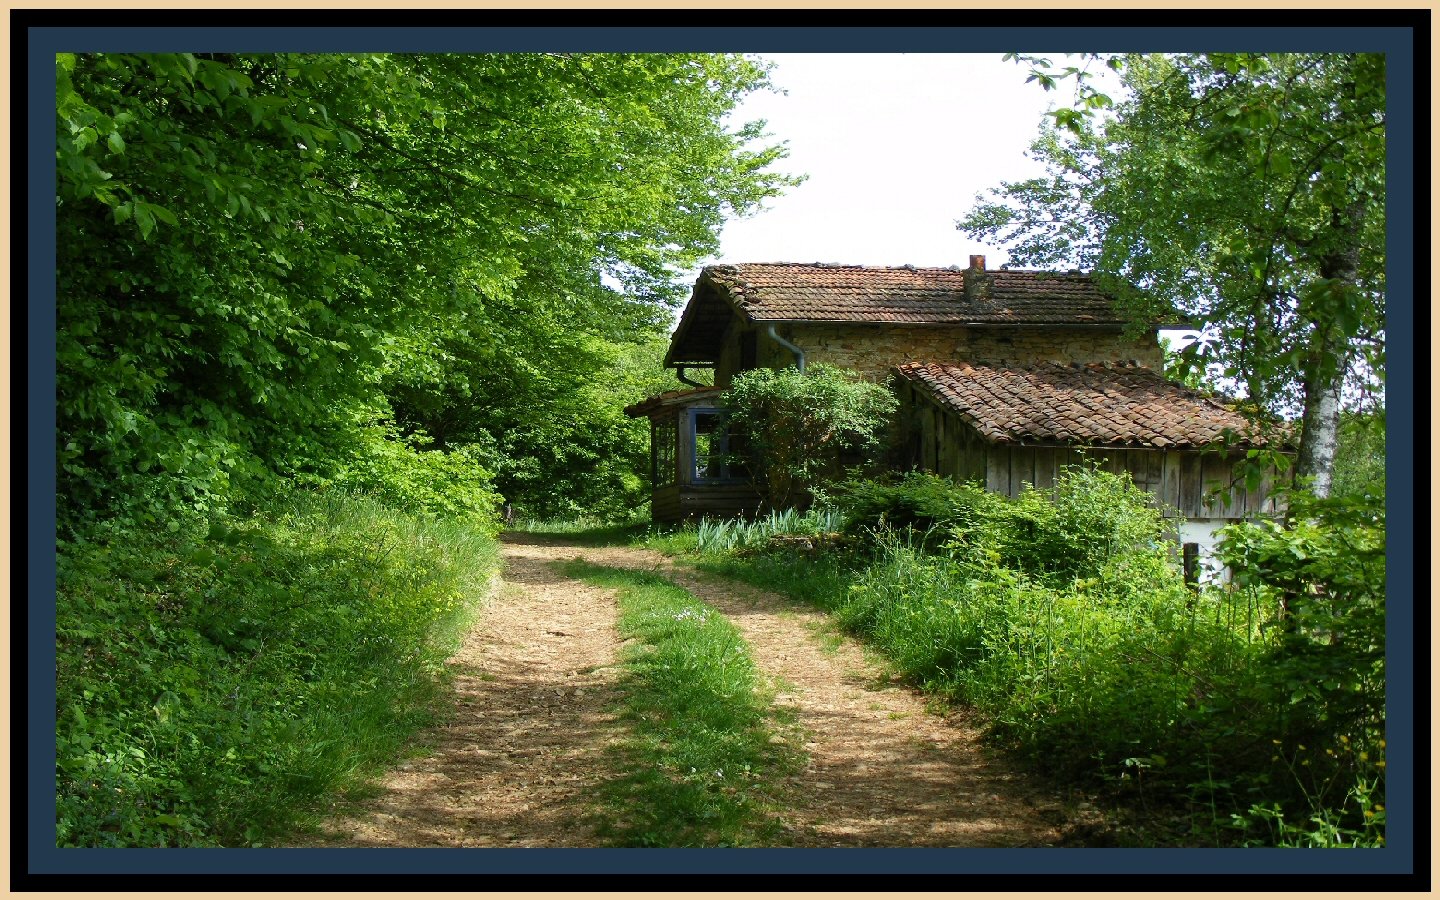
691	313
1113	326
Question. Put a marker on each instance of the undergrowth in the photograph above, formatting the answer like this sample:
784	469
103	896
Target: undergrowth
1062	617
213	681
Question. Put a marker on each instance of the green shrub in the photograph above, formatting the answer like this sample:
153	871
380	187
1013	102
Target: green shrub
1322	681
795	425
917	502
213	681
404	474
1082	677
1074	529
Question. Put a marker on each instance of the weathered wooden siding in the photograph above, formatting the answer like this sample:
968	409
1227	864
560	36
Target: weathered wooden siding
665	503
676	503
1183	481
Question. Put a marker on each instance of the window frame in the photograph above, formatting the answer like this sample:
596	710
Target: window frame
721	431
664	462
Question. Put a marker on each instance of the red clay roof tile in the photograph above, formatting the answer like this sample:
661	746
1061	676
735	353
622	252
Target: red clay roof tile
1103	404
822	293
905	295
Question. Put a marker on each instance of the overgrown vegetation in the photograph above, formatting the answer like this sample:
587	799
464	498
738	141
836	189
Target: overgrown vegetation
727	535
700	768
432	280
214	680
1062	617
262	258
796	426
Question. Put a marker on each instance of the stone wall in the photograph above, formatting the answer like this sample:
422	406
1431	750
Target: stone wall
873	349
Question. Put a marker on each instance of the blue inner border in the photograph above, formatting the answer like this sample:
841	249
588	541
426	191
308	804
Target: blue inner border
1398	41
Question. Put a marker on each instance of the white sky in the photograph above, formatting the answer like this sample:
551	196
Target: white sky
896	146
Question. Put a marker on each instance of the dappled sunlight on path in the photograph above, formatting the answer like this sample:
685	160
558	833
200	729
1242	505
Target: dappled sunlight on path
534	691
882	771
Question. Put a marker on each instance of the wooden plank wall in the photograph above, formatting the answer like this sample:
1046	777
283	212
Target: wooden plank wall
1183	481
674	502
720	501
665	503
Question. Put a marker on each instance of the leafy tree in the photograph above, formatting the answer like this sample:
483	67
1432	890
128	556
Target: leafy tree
795	424
547	406
252	248
1360	454
1246	190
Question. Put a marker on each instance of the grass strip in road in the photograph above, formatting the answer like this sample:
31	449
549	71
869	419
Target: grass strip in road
706	749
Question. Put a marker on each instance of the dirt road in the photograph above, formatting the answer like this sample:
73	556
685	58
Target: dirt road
536	684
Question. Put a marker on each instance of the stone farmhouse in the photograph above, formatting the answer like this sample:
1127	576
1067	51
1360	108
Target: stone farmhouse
1003	377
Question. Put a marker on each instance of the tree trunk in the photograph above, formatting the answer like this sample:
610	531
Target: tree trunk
1320	421
1326	364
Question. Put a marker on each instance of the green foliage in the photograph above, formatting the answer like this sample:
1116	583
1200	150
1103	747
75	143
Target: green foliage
918	501
1056	670
1246	191
728	535
1062	618
257	253
1070	531
447	485
796	425
1088	521
1360	455
1183	371
547	407
1324	677
702	770
212	682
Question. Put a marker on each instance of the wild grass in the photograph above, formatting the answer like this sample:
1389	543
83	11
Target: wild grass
706	747
214	682
586	532
718	536
1062	618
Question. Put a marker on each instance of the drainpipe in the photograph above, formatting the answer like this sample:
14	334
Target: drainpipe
799	354
680	374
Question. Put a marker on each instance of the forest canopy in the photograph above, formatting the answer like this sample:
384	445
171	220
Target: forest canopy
326	268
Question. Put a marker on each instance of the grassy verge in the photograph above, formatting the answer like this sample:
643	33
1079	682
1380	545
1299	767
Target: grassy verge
1062	619
214	682
705	746
586	533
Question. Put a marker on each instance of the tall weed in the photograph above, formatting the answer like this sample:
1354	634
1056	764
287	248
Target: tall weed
729	535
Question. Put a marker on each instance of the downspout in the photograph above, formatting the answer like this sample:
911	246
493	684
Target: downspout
799	354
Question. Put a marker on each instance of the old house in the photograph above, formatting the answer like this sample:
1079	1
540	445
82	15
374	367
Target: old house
1003	376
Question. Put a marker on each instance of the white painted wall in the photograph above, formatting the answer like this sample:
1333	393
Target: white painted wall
1205	533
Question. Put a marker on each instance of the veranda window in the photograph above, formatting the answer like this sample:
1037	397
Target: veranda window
713	448
664	439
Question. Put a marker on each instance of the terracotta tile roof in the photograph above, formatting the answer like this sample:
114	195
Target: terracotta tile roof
901	295
643	408
1098	404
834	293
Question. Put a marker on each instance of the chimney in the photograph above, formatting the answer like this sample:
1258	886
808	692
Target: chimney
977	283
